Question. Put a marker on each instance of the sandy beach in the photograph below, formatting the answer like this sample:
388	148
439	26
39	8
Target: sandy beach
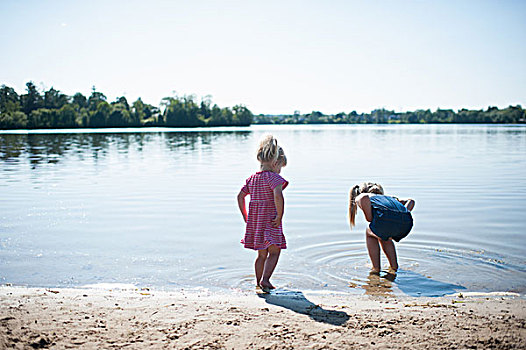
147	319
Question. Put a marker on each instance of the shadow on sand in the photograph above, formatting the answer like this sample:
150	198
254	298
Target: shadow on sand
296	301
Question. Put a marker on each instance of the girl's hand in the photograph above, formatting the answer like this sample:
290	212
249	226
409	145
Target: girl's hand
276	221
408	203
241	202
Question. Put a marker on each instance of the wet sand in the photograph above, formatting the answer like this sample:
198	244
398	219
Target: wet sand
147	319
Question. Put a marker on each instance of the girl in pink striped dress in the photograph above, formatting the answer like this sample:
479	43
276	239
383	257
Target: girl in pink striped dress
264	231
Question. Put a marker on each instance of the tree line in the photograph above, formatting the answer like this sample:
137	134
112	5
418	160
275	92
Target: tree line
52	109
509	115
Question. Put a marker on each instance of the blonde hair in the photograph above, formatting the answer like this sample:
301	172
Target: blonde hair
269	151
364	187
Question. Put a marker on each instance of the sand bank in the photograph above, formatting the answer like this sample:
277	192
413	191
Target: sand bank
147	319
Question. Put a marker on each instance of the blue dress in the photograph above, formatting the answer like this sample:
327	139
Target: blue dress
391	219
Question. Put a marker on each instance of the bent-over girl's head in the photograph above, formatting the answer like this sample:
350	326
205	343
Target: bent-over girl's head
364	187
270	152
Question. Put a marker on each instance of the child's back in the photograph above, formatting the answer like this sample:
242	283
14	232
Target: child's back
264	231
390	219
260	234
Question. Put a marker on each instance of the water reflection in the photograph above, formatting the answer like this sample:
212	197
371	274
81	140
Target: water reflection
40	149
11	147
379	285
409	282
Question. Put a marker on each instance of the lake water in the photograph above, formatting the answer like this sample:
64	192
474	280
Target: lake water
157	207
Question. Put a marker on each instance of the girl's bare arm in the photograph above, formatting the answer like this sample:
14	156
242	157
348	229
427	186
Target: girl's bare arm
280	205
241	203
408	203
364	203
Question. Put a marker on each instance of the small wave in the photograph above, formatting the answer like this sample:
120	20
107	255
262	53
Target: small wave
484	294
111	286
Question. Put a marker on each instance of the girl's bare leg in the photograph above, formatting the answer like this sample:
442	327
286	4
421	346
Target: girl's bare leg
260	264
270	265
373	248
390	252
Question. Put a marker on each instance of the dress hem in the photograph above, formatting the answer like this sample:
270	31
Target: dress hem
280	246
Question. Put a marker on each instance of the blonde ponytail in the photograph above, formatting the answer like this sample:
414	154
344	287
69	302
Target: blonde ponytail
364	187
355	191
269	151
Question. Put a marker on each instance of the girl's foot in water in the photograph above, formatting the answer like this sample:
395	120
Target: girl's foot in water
258	286
261	289
392	271
266	285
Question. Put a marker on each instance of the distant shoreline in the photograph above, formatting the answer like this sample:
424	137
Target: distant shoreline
54	110
218	128
493	115
267	122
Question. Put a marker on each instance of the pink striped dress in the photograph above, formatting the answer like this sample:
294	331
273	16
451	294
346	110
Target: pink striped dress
259	233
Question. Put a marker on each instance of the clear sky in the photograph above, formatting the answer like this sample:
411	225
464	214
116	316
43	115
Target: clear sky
273	56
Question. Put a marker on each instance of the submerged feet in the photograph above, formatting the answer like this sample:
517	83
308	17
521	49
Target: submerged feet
266	286
390	270
391	274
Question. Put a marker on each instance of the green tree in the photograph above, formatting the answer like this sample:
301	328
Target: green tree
182	112
314	117
95	99
99	117
380	116
228	116
123	101
83	119
66	117
242	115
42	118
53	99
32	100
119	116
9	100
204	109
216	117
13	120
80	101
144	114
138	112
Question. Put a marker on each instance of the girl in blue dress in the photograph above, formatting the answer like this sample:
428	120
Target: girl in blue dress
389	217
